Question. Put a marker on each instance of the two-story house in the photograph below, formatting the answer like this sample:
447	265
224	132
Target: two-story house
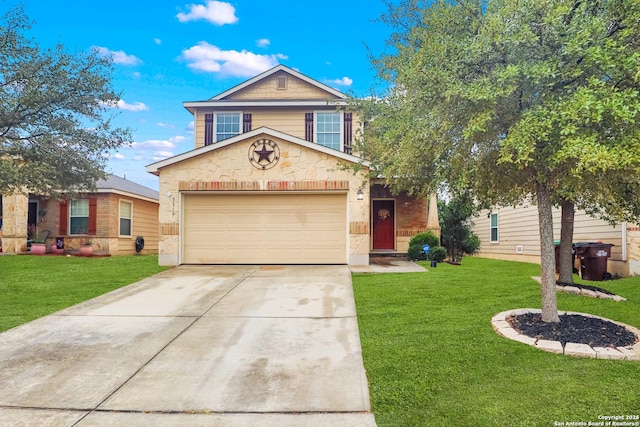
267	182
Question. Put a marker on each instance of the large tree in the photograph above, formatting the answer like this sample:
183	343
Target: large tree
533	100
55	114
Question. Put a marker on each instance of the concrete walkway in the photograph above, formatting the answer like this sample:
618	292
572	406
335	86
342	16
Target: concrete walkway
194	346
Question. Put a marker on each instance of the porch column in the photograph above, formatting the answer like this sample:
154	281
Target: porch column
15	209
433	222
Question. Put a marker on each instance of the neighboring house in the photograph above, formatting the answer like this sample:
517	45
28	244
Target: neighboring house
111	219
267	184
513	234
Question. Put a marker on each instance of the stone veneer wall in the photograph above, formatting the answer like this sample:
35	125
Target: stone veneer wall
228	169
15	209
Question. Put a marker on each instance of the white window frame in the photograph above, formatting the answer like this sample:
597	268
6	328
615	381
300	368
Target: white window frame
491	227
120	218
315	128
215	124
71	233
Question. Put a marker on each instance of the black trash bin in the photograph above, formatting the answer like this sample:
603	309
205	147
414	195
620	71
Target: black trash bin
593	260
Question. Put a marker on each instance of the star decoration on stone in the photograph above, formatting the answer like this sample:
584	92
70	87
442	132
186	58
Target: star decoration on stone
264	153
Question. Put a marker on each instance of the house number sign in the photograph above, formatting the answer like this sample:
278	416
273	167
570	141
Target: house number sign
264	154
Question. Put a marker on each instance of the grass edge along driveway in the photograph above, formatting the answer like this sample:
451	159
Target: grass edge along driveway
432	357
34	286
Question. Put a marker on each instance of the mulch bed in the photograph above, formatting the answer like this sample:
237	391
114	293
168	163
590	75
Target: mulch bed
574	328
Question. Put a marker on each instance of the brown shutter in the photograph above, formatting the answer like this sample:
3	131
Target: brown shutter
308	126
93	215
64	217
208	129
246	122
348	128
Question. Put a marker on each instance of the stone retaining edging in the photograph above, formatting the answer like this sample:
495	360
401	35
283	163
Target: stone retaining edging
504	328
584	292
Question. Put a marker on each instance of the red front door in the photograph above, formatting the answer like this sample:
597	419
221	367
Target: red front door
384	230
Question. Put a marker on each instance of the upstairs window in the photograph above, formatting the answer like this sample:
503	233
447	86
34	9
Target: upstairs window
328	129
227	125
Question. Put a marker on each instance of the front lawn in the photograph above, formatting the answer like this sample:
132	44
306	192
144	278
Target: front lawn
34	286
433	359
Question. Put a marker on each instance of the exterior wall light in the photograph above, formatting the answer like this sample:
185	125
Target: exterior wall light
360	194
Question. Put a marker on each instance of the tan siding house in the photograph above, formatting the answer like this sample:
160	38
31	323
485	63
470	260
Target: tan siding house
111	219
267	184
513	234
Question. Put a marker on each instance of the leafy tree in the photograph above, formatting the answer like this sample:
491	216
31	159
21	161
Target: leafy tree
455	224
55	130
513	100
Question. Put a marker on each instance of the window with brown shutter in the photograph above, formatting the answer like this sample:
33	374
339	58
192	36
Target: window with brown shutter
246	122
308	126
64	217
93	215
347	133
208	129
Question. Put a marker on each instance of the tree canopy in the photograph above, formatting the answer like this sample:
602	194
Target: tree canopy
512	100
55	114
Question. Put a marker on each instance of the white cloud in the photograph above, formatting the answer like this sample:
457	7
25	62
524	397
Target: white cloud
138	158
119	56
207	57
135	75
152	143
190	127
177	139
121	104
263	42
216	12
345	81
161	155
157	41
118	156
165	125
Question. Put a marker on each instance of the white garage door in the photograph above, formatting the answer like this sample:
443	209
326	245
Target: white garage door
263	228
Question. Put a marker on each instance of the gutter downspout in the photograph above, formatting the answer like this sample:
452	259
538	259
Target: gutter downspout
624	241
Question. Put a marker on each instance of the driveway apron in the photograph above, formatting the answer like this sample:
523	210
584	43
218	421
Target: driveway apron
194	345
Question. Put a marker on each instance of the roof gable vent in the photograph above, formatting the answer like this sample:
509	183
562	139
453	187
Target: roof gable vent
281	82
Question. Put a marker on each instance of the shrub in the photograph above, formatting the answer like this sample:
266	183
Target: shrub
415	253
437	253
427	238
471	244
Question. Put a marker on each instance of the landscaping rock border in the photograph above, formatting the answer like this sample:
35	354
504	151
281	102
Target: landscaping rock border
583	291
502	327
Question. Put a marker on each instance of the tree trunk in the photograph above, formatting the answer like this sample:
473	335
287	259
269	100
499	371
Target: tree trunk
548	264
566	242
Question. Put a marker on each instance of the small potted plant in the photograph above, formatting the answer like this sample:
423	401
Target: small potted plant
38	246
86	249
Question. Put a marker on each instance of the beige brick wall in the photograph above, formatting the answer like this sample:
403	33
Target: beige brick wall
231	164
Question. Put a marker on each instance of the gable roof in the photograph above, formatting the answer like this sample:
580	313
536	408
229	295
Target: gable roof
155	167
274	70
115	184
336	97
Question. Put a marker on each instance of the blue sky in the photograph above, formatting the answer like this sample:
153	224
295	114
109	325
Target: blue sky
168	52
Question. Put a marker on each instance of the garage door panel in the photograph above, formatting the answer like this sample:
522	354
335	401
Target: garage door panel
264	229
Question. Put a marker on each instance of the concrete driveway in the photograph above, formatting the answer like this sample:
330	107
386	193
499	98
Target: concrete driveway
194	346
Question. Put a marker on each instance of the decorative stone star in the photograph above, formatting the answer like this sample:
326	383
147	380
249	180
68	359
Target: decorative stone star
263	153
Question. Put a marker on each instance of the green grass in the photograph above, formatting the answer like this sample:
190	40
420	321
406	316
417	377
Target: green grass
433	359
34	286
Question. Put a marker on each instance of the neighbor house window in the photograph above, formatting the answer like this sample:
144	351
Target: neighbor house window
328	129
79	216
227	125
494	227
126	211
